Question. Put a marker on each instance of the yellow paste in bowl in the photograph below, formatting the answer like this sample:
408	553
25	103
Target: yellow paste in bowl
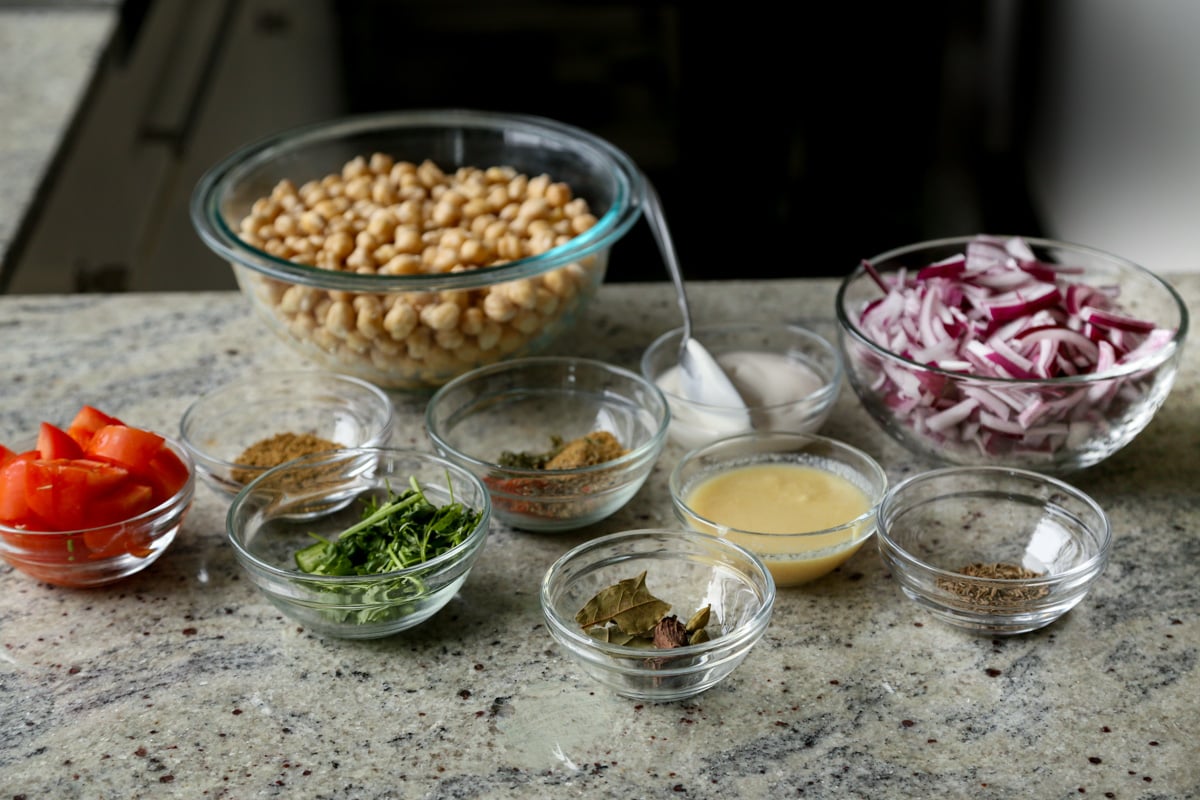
785	500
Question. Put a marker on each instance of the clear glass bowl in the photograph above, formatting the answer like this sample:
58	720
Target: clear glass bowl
1083	420
105	554
802	554
520	406
934	525
794	390
401	328
280	511
688	570
218	427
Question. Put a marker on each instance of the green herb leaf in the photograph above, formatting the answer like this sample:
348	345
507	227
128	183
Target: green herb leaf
405	531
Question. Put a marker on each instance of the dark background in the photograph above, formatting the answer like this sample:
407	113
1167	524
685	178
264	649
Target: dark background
785	140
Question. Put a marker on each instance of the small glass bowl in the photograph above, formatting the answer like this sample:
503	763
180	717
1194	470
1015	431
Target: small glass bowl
520	406
1080	420
322	495
794	390
802	554
218	427
934	525
106	554
686	569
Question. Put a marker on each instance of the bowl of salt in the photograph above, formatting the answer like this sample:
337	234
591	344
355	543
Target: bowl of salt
788	377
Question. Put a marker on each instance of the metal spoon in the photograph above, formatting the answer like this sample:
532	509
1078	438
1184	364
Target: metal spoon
701	378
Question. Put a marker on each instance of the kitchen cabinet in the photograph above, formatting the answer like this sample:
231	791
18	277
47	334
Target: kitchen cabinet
183	84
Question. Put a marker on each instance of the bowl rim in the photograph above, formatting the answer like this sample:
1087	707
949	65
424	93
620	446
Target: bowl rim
204	206
199	405
1089	565
177	503
742	636
653	444
472	543
876	470
1170	350
826	393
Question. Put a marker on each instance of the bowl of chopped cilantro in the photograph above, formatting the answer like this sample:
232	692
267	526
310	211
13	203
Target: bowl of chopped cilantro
560	442
360	543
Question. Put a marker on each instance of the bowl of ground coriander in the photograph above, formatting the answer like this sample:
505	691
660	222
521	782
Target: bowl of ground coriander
993	550
238	431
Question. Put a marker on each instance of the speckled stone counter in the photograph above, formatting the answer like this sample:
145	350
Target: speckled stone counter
182	681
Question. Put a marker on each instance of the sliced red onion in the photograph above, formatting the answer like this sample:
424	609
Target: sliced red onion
998	312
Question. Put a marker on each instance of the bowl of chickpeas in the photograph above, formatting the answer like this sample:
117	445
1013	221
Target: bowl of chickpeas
407	248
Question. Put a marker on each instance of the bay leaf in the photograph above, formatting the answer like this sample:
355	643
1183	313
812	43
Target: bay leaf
610	634
628	604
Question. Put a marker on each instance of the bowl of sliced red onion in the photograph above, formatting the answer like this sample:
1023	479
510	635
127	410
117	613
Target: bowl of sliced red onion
1010	351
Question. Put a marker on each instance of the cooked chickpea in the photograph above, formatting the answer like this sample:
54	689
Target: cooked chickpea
441	317
339	245
534	208
354	168
361	260
400	321
558	194
381	163
403	264
383	192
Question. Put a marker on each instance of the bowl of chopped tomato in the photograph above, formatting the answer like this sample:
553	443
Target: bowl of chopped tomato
1009	351
93	502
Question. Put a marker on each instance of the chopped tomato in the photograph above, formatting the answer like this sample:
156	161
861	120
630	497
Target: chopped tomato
85	424
132	448
63	492
167	474
14	507
126	502
92	477
54	443
119	539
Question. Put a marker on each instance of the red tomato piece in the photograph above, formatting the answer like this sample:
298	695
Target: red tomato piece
106	542
54	443
167	474
62	492
111	539
132	448
89	420
127	501
14	505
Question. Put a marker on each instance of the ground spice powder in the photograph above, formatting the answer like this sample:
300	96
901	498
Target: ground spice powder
274	450
589	450
991	594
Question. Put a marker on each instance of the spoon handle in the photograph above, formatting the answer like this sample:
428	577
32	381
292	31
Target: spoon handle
662	235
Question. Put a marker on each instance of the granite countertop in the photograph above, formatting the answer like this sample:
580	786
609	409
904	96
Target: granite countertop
49	55
184	681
